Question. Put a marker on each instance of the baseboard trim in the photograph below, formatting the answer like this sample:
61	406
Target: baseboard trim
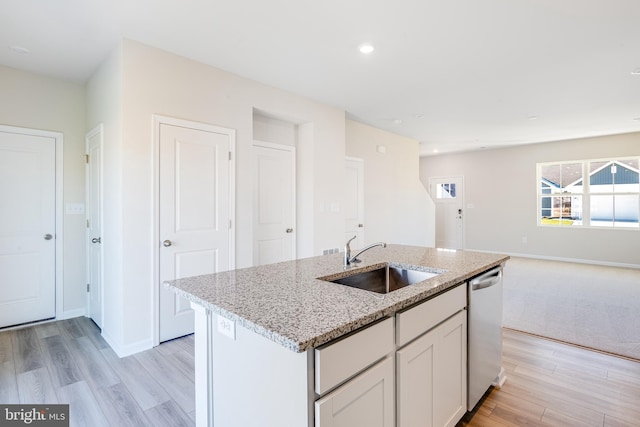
129	349
80	312
562	259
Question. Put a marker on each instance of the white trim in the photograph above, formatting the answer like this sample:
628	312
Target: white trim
58	138
98	130
158	120
561	259
129	349
294	187
204	344
70	314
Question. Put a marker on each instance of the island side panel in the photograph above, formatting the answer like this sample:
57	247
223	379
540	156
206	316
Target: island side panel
253	381
203	330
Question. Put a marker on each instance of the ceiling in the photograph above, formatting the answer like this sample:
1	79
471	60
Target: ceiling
453	74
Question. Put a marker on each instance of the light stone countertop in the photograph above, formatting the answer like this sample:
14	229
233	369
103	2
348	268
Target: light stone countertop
286	303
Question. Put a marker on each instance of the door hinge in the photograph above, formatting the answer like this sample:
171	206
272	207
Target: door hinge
86	158
229	155
230	224
88	287
87	223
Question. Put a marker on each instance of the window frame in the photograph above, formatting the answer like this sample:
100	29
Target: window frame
585	195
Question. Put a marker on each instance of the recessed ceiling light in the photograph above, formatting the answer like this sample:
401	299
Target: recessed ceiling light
20	50
532	118
397	121
419	116
636	72
366	48
435	150
637	119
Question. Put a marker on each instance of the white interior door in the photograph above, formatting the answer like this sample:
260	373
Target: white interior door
447	195
27	228
194	215
274	203
354	201
94	223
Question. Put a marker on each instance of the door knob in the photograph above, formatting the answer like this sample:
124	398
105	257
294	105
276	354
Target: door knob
96	240
167	243
48	237
289	230
360	225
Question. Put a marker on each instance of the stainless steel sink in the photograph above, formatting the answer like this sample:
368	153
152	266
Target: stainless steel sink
384	279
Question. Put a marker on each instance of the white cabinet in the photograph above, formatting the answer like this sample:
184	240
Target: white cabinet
367	400
367	394
432	376
340	360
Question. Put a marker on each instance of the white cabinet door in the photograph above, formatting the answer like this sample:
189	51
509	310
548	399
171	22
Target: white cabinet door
451	379
432	375
365	401
416	370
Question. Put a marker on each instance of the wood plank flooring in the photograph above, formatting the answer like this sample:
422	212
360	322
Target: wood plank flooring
549	383
553	384
68	362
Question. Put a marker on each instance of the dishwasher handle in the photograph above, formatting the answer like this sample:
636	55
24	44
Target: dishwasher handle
486	280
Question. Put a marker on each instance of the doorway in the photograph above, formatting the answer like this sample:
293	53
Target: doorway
30	225
447	194
354	201
274	203
94	223
195	212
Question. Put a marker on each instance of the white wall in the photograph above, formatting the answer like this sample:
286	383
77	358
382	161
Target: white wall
397	208
34	101
157	82
104	105
502	186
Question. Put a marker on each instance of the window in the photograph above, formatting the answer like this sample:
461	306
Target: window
446	191
609	197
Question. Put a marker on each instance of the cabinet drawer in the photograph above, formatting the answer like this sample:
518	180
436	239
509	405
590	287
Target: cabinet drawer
419	319
339	361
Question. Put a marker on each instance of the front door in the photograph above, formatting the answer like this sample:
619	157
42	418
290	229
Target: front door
94	223
27	228
447	195
274	203
194	215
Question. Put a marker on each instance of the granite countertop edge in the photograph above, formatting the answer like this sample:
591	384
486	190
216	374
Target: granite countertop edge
192	289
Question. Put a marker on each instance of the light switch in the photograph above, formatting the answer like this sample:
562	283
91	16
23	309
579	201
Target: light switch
74	208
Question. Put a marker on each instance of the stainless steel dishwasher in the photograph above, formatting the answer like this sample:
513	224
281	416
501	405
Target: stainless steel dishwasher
484	334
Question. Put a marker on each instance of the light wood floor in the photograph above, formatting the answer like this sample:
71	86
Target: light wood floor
68	362
553	384
549	383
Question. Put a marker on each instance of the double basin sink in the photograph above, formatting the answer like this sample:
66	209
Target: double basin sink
384	279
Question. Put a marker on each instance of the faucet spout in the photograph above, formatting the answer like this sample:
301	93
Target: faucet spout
348	259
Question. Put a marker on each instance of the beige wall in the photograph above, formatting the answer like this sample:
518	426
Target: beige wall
104	106
157	82
501	186
37	102
397	206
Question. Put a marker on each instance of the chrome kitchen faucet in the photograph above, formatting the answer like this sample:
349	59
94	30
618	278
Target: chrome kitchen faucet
348	259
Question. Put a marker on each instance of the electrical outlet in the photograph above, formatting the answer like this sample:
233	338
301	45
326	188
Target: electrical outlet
227	327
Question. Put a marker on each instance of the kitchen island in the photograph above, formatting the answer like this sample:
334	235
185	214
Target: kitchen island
260	331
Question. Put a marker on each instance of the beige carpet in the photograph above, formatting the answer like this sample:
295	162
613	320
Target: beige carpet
587	305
